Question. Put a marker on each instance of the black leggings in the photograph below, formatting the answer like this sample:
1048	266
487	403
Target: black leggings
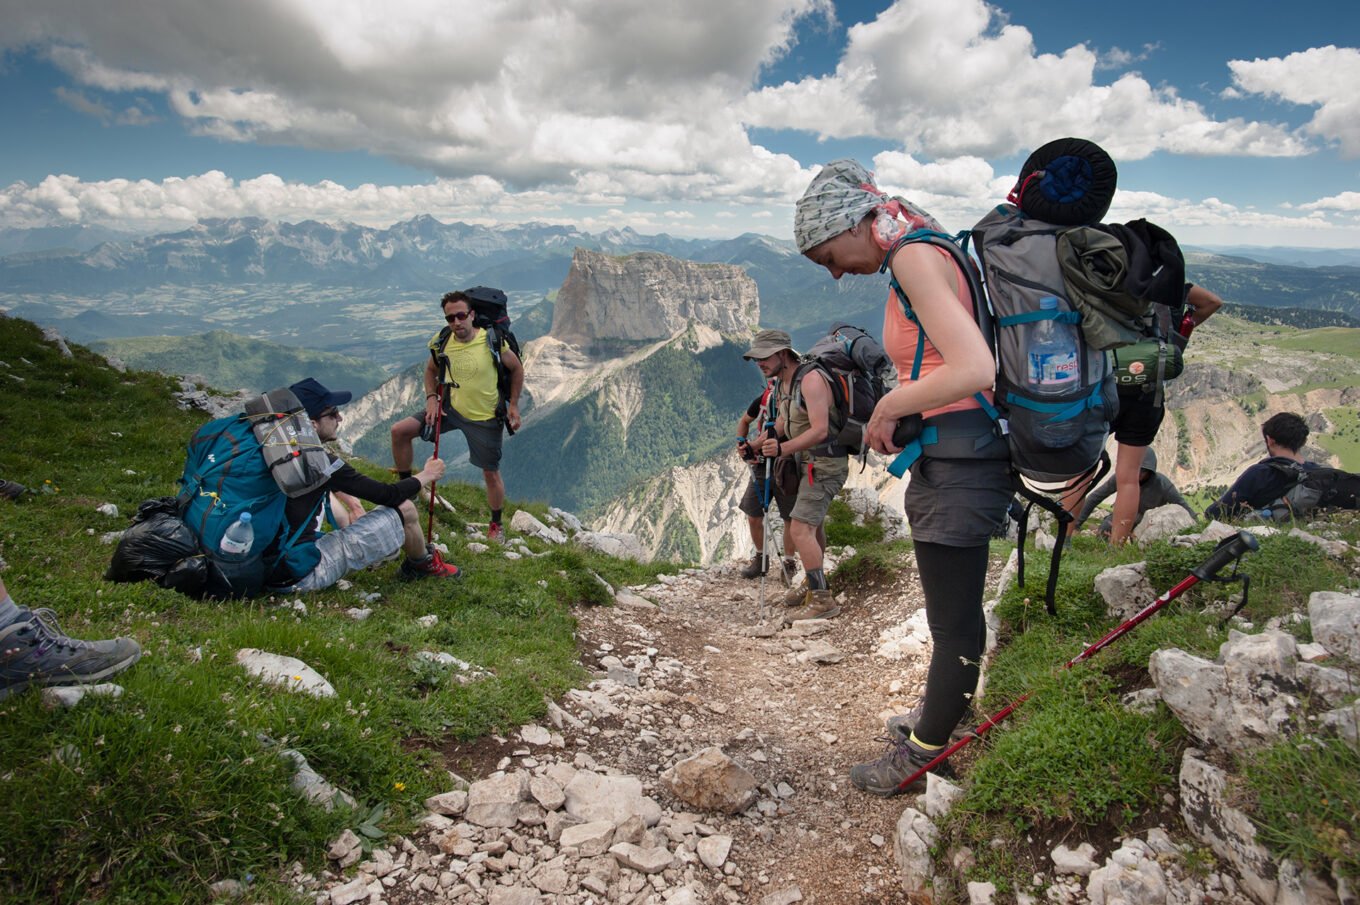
953	579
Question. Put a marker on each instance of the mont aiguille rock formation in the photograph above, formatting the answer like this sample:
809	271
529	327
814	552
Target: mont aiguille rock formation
650	296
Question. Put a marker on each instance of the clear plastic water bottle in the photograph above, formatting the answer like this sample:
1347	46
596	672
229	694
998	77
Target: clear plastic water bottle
238	538
1054	370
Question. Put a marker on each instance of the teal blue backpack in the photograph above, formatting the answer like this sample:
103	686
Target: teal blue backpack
226	474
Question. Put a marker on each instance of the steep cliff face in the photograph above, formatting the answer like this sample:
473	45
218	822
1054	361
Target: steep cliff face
649	296
691	511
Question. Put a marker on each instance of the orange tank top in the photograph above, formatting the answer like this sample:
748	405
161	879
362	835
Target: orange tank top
900	336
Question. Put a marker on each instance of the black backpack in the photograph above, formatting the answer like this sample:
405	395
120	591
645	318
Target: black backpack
1308	489
859	373
491	312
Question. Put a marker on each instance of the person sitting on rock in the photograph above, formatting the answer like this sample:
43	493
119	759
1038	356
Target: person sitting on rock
801	429
394	525
35	651
759	414
1265	482
1154	489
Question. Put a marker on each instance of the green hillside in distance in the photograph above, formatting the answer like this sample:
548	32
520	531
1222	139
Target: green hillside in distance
228	361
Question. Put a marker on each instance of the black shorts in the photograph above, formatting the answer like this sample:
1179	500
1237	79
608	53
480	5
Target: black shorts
1138	419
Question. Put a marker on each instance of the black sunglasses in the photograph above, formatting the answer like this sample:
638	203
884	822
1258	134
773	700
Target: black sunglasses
458	316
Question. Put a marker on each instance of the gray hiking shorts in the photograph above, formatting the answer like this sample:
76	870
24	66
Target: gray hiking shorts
366	541
958	502
828	477
484	438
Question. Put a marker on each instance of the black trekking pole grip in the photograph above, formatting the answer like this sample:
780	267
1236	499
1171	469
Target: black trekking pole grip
1228	550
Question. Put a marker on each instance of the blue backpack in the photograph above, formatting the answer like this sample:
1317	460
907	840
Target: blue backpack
226	474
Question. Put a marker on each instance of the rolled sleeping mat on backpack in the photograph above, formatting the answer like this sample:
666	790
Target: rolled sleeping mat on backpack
1069	182
297	461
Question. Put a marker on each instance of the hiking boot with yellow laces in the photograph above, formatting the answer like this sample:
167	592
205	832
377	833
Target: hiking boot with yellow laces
901	759
816	605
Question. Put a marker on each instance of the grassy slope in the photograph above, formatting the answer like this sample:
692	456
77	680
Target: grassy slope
167	789
1074	764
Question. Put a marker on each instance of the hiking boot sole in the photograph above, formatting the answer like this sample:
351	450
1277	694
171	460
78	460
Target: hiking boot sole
791	618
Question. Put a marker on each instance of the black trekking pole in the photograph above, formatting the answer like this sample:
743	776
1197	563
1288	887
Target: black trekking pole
1229	550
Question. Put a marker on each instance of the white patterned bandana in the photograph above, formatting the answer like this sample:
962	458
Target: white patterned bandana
839	197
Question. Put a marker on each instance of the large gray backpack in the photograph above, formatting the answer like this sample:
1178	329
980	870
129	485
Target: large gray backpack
1019	268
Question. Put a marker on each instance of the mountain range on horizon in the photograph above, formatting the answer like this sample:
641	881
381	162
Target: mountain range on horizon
370	292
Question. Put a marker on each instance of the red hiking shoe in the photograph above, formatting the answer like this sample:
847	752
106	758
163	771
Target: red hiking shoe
433	566
494	532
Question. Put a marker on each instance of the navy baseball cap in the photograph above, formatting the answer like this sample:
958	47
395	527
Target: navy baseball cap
315	398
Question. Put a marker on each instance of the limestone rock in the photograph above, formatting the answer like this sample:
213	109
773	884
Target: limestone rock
912	842
1335	618
589	839
313	786
713	850
786	896
495	802
712	781
1131	875
514	895
1225	829
525	523
547	793
1125	589
620	545
450	804
591	796
650	296
290	672
1245	701
941	794
347	849
1080	861
643	860
70	695
1161	523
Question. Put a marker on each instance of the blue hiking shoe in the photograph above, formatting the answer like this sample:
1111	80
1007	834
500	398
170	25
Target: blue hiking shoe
35	651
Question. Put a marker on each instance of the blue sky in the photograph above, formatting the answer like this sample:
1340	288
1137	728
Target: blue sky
1232	123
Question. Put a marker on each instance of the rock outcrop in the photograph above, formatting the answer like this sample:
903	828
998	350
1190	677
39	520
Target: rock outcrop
649	296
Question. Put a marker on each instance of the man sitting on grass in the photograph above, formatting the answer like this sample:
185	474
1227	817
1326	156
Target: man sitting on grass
394	525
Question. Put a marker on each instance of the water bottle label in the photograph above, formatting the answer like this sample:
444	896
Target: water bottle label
1053	369
232	547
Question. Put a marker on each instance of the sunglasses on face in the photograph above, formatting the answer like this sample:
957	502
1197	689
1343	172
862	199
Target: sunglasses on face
329	413
457	316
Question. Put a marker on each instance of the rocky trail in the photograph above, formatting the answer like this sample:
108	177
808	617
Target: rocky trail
683	666
707	761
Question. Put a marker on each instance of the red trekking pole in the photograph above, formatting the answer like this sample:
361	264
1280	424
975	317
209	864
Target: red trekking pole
1230	549
438	424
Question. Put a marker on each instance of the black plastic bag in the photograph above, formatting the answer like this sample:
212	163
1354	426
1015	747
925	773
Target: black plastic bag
159	547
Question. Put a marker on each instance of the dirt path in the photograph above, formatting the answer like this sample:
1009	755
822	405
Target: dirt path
795	725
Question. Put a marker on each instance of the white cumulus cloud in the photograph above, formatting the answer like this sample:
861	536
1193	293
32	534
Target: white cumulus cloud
949	79
1322	77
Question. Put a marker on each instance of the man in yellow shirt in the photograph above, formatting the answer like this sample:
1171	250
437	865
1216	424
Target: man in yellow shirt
470	382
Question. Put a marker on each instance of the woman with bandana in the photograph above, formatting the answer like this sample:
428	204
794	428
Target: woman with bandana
961	484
